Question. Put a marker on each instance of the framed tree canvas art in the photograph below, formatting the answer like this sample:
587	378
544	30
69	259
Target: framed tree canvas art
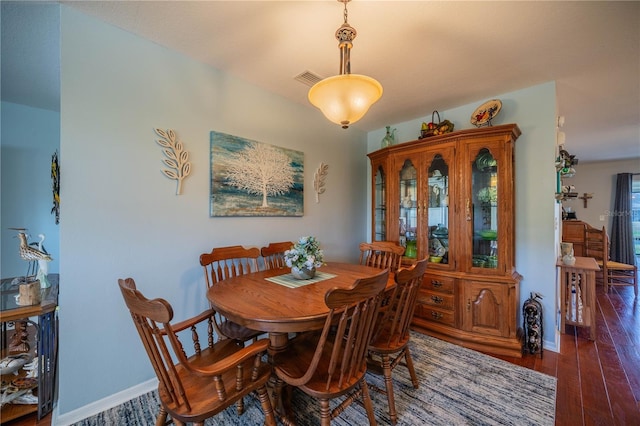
250	178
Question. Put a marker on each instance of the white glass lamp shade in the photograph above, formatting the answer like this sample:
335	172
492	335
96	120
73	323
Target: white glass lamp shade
345	98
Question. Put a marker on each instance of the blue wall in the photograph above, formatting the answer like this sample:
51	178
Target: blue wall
121	217
30	136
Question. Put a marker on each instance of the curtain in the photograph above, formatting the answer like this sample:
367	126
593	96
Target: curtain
622	249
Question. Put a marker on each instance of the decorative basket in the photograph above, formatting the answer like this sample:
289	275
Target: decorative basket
435	127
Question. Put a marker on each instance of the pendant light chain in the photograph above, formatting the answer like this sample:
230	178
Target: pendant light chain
345	35
345	10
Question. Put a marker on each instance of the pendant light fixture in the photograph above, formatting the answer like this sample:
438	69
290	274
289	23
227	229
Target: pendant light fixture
345	98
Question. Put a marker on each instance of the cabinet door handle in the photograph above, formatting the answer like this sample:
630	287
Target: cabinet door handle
436	315
436	299
468	209
436	283
468	304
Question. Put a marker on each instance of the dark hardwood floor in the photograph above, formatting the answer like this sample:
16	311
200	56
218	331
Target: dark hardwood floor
598	381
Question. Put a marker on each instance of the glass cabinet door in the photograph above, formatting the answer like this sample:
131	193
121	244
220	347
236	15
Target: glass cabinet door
408	210
380	207
438	210
484	192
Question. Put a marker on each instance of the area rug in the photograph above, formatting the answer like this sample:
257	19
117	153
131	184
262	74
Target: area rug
458	386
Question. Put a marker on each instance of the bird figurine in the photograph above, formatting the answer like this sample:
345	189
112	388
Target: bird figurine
43	264
35	256
29	253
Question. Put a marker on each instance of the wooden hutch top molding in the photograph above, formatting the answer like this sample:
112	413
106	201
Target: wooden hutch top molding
479	132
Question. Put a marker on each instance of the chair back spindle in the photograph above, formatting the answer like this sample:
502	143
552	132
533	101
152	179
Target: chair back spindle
382	255
227	262
273	254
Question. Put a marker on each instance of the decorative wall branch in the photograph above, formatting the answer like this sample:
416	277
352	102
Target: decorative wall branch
177	157
318	180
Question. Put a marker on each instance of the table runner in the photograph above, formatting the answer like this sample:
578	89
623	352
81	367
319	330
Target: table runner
288	280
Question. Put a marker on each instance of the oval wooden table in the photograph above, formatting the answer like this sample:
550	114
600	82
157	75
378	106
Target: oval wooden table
256	302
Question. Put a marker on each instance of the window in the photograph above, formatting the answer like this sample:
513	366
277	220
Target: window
635	212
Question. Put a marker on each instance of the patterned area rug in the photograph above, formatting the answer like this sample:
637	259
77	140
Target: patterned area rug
458	386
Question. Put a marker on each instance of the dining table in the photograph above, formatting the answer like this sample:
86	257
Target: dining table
274	302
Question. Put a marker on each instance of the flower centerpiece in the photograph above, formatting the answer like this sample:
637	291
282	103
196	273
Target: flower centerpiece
304	257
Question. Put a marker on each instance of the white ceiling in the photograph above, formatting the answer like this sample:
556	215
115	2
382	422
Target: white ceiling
426	54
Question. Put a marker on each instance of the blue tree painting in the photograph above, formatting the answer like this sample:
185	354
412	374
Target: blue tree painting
250	178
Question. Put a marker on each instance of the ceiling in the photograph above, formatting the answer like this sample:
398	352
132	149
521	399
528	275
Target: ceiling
426	54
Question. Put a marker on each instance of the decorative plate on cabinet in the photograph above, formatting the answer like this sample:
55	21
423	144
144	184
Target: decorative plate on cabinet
483	115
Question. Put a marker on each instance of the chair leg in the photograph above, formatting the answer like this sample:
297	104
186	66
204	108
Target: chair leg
412	371
325	412
161	420
368	404
240	406
388	383
267	408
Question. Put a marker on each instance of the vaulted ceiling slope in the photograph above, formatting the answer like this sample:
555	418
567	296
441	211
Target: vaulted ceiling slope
427	54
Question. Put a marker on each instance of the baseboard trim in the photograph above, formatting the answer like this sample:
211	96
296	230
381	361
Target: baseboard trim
101	405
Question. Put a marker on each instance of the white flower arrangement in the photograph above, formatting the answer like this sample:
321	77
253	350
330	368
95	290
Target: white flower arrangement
488	195
305	254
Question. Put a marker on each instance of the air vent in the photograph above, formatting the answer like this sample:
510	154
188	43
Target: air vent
308	78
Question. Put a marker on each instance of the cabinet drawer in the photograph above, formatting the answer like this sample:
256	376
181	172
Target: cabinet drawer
436	299
428	313
438	283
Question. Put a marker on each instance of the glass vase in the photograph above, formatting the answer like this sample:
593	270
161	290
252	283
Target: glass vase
390	138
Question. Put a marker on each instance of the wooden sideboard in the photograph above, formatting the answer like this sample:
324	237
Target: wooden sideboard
573	232
30	329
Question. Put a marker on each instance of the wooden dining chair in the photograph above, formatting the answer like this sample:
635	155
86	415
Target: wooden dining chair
390	344
214	375
227	262
332	362
612	273
382	255
273	254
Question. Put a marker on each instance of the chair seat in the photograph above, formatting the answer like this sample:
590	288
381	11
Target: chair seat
201	391
238	332
387	342
296	360
620	266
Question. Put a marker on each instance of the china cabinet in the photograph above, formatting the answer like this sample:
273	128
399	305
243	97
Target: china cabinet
451	198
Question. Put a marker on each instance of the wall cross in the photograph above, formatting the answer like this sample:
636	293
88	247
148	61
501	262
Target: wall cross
586	197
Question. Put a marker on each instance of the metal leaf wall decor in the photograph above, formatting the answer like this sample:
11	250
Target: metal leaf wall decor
318	180
177	157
